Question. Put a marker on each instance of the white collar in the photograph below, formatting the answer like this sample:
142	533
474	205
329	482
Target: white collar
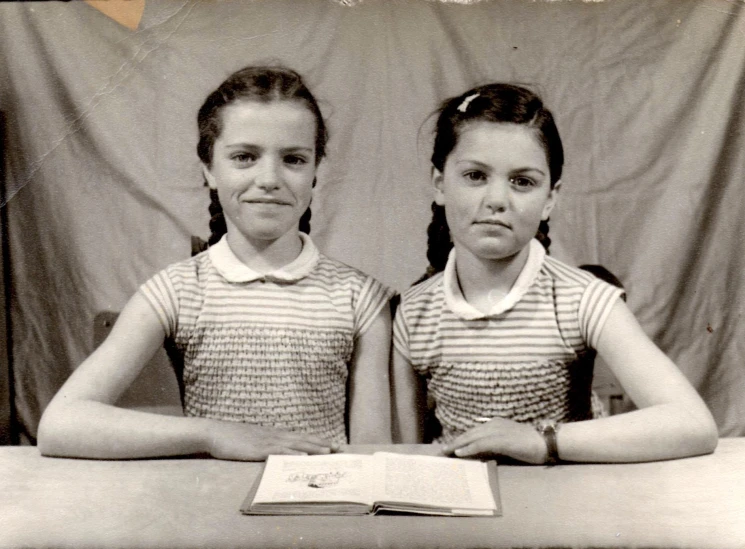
457	302
234	270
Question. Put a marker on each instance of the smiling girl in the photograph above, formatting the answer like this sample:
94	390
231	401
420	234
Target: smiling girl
501	332
274	343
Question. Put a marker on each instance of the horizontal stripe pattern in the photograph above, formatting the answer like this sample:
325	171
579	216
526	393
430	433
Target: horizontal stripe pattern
277	377
524	392
333	296
525	363
266	352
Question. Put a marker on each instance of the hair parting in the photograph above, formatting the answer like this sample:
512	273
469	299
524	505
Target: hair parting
264	84
498	103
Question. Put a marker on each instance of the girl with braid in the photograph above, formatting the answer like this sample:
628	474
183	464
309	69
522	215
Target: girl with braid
496	336
278	348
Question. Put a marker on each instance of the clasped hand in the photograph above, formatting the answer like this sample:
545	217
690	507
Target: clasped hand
502	437
246	442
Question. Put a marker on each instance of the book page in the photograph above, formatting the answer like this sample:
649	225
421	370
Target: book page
433	481
326	478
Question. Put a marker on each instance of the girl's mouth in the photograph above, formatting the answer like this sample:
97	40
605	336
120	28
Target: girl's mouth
494	223
267	201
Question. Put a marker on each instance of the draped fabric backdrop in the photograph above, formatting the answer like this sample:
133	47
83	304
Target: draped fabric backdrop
104	187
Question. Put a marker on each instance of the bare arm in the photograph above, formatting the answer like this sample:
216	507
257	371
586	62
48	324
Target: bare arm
369	385
82	421
408	401
672	420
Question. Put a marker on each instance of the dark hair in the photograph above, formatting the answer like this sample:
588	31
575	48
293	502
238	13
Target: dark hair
605	275
256	83
500	103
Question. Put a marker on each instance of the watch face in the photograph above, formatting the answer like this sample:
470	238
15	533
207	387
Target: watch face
548	430
547	425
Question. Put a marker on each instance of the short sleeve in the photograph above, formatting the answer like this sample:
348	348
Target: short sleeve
372	298
160	292
401	333
594	307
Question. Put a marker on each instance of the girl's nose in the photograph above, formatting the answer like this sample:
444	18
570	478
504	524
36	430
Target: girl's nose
268	176
497	195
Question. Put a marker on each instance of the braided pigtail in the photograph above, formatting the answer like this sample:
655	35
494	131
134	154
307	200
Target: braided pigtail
304	225
542	235
264	84
438	239
218	227
499	103
438	243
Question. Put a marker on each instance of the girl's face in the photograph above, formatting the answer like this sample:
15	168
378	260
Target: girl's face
263	166
496	189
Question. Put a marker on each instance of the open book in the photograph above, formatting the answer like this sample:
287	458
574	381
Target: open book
353	484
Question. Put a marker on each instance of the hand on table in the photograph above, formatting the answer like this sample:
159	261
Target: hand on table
246	442
502	437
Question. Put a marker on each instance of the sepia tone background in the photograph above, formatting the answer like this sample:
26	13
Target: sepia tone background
103	186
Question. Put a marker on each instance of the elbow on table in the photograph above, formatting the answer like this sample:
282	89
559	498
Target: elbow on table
45	437
702	445
703	436
51	437
709	440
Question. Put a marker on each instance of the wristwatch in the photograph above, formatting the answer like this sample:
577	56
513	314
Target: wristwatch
548	429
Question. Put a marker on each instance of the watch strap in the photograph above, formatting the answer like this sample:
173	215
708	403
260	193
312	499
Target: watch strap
548	430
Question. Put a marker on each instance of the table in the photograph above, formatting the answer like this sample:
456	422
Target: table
52	502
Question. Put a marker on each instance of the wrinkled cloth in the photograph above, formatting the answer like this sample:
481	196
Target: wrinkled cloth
104	187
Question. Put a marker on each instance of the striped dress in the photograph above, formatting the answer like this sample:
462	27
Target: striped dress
271	350
524	361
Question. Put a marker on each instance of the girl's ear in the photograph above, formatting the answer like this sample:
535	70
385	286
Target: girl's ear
437	181
553	197
209	177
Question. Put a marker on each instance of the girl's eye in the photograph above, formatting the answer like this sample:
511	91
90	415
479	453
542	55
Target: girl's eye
243	157
522	181
296	160
475	176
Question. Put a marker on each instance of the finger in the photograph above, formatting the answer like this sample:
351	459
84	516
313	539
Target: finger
472	444
462	440
292	452
474	449
277	451
292	437
439	450
309	448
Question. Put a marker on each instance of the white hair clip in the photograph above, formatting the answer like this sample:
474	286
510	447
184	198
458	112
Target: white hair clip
467	101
